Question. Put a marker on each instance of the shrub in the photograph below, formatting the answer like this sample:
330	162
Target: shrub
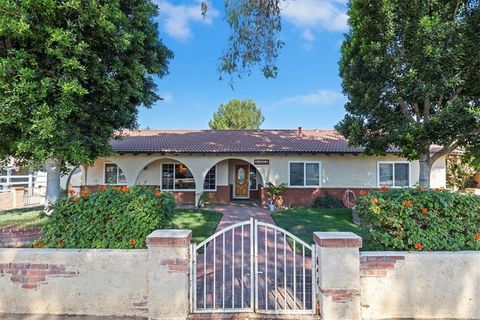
327	201
113	217
416	219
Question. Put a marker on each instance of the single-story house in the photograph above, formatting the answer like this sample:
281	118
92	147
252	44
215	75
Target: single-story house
237	164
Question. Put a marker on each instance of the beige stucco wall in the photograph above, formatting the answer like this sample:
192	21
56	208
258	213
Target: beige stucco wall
12	199
338	171
108	282
7	200
429	285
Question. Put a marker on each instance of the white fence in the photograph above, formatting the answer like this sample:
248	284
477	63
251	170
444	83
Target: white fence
34	184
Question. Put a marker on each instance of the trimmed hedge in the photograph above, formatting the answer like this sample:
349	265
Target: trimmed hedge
113	217
417	219
328	201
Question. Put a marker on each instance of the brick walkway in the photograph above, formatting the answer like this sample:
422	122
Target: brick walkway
223	273
233	213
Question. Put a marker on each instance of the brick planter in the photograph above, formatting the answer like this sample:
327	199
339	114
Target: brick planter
18	237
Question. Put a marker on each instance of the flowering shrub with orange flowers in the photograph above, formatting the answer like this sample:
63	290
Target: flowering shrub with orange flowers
420	219
108	217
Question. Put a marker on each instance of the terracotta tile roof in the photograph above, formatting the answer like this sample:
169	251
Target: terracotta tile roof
233	141
237	141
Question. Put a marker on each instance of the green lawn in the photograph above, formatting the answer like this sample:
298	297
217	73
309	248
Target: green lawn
22	218
201	222
303	222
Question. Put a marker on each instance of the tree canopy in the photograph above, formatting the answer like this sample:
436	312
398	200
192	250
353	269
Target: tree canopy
411	73
254	40
237	114
74	72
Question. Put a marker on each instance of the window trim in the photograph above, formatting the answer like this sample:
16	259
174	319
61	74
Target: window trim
175	190
210	190
305	174
393	162
105	171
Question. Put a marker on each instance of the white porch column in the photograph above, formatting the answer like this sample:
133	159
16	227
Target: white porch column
199	179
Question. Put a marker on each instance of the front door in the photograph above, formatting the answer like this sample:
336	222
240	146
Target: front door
241	181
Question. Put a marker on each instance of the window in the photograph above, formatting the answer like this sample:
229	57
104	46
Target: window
176	176
394	174
113	174
253	178
167	176
211	179
304	174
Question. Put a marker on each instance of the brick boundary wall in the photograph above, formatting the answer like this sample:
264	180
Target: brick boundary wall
175	265
18	237
31	275
299	197
378	266
340	295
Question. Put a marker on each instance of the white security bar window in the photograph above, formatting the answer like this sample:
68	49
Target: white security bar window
113	174
176	176
253	178
304	174
393	173
210	183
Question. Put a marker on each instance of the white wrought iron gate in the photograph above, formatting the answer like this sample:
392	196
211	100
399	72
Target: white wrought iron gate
253	266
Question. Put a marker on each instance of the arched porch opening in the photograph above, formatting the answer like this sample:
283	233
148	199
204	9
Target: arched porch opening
75	179
231	179
169	174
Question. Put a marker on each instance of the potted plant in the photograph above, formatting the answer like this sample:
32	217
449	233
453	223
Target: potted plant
204	199
274	194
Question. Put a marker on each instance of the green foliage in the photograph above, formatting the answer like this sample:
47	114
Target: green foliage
255	37
416	219
237	114
410	71
328	201
204	199
275	192
74	72
113	218
459	173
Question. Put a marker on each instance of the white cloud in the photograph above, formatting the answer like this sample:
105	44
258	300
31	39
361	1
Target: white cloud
166	96
308	35
319	98
316	15
176	19
325	14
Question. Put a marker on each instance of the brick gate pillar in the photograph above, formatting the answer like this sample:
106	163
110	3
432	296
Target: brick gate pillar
168	262
338	275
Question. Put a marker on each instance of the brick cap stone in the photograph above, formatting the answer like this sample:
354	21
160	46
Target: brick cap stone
169	238
337	239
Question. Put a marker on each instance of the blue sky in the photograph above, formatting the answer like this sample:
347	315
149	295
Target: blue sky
307	91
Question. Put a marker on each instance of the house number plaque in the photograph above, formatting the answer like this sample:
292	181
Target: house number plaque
261	162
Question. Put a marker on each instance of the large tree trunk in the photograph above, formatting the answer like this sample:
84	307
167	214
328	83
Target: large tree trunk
53	167
425	169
